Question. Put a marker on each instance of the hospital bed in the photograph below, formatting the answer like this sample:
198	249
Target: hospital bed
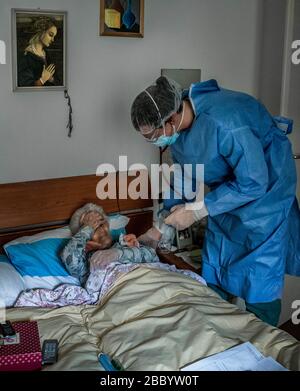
150	319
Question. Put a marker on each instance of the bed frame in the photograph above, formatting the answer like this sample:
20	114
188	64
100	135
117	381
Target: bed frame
27	208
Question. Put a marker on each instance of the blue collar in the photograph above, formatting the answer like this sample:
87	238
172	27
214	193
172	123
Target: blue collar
197	90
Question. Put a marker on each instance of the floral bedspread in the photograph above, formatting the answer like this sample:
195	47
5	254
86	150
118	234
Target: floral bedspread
97	285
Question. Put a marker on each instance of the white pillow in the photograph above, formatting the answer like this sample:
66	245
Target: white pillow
11	283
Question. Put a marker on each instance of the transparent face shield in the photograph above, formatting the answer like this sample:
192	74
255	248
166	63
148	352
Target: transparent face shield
153	135
150	133
153	109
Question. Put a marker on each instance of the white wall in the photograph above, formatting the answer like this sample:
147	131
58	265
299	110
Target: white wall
294	95
292	284
271	92
223	37
272	54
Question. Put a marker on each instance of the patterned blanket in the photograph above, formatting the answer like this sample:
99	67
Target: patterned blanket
96	287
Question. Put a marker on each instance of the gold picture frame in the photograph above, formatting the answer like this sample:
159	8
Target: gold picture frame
122	18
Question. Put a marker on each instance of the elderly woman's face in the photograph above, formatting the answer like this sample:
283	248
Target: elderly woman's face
48	37
103	236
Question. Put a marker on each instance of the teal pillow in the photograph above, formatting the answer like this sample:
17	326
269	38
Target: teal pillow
117	225
37	259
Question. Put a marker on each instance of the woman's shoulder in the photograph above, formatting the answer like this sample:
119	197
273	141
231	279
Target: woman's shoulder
31	57
25	60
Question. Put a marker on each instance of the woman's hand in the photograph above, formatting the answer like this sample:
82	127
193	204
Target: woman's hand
47	73
131	240
92	219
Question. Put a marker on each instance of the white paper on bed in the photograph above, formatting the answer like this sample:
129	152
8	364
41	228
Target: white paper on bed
244	357
268	364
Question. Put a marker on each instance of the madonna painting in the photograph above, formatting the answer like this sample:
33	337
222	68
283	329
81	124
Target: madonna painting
39	46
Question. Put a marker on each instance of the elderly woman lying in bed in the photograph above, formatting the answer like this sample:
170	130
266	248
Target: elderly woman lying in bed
97	262
92	248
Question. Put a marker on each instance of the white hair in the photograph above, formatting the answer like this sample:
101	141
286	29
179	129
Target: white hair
75	219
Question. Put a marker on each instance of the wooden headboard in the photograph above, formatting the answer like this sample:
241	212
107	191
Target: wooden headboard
31	207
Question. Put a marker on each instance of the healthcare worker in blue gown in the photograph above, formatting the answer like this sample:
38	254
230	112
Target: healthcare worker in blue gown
253	233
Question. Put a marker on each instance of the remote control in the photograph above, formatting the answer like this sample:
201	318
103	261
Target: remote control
6	329
49	351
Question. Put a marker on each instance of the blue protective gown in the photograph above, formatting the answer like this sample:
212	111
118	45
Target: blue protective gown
253	233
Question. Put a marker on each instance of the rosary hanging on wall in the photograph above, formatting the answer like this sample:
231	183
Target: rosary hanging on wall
70	120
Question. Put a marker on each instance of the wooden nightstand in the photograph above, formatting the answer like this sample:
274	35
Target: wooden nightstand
192	256
174	259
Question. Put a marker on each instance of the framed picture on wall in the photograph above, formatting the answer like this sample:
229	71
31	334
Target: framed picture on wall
122	18
39	50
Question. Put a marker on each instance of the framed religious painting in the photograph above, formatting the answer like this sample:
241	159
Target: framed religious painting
39	50
122	18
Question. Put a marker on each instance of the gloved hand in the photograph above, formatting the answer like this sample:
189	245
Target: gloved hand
150	238
183	216
103	258
167	231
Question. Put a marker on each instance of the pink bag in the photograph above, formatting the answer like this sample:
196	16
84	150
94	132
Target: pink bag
25	356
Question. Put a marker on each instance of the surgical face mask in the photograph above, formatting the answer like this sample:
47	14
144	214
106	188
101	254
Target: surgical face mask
164	140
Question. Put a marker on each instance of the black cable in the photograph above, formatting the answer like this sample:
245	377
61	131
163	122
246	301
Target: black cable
70	122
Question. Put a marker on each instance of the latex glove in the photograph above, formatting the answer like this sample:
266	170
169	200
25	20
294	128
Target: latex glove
150	238
184	216
103	258
176	207
167	231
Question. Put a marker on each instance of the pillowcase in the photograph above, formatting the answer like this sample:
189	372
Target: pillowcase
37	259
11	283
117	224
